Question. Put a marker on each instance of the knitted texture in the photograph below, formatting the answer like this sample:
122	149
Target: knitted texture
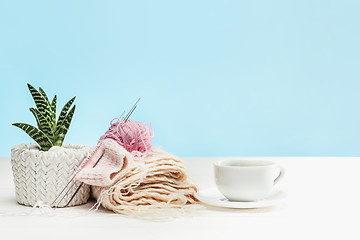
42	175
113	163
161	184
135	137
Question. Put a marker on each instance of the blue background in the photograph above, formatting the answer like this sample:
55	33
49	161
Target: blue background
217	78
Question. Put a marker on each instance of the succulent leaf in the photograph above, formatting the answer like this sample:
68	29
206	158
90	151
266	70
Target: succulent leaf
62	130
43	124
44	94
36	117
49	132
41	103
36	134
53	113
64	113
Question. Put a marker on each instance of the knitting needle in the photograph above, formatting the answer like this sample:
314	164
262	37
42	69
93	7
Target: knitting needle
72	197
122	114
130	113
125	119
74	177
65	187
66	193
132	110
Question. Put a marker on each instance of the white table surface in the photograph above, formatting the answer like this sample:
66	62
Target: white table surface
323	201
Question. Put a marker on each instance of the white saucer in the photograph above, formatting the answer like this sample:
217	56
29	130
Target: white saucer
212	196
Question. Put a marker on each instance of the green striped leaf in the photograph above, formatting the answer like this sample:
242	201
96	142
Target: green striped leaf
43	124
42	104
36	134
53	113
64	113
49	132
64	127
52	105
36	117
44	94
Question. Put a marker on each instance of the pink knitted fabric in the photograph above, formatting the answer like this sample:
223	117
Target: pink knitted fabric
113	164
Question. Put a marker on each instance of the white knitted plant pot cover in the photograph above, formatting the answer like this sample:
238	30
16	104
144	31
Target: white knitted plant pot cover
42	175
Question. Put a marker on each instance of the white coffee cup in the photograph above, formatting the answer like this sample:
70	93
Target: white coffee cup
247	180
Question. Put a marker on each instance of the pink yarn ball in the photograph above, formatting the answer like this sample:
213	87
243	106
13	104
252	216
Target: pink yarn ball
135	137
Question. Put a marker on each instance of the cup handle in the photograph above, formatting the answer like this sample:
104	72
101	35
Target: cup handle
281	174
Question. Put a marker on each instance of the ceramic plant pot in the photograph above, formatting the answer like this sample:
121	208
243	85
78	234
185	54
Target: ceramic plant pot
42	175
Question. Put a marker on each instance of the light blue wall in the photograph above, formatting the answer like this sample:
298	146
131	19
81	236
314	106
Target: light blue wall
217	78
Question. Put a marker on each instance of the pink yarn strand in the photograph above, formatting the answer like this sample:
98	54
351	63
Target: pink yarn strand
135	137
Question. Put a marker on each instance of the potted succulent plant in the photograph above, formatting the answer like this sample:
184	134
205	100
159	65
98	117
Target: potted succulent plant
42	170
